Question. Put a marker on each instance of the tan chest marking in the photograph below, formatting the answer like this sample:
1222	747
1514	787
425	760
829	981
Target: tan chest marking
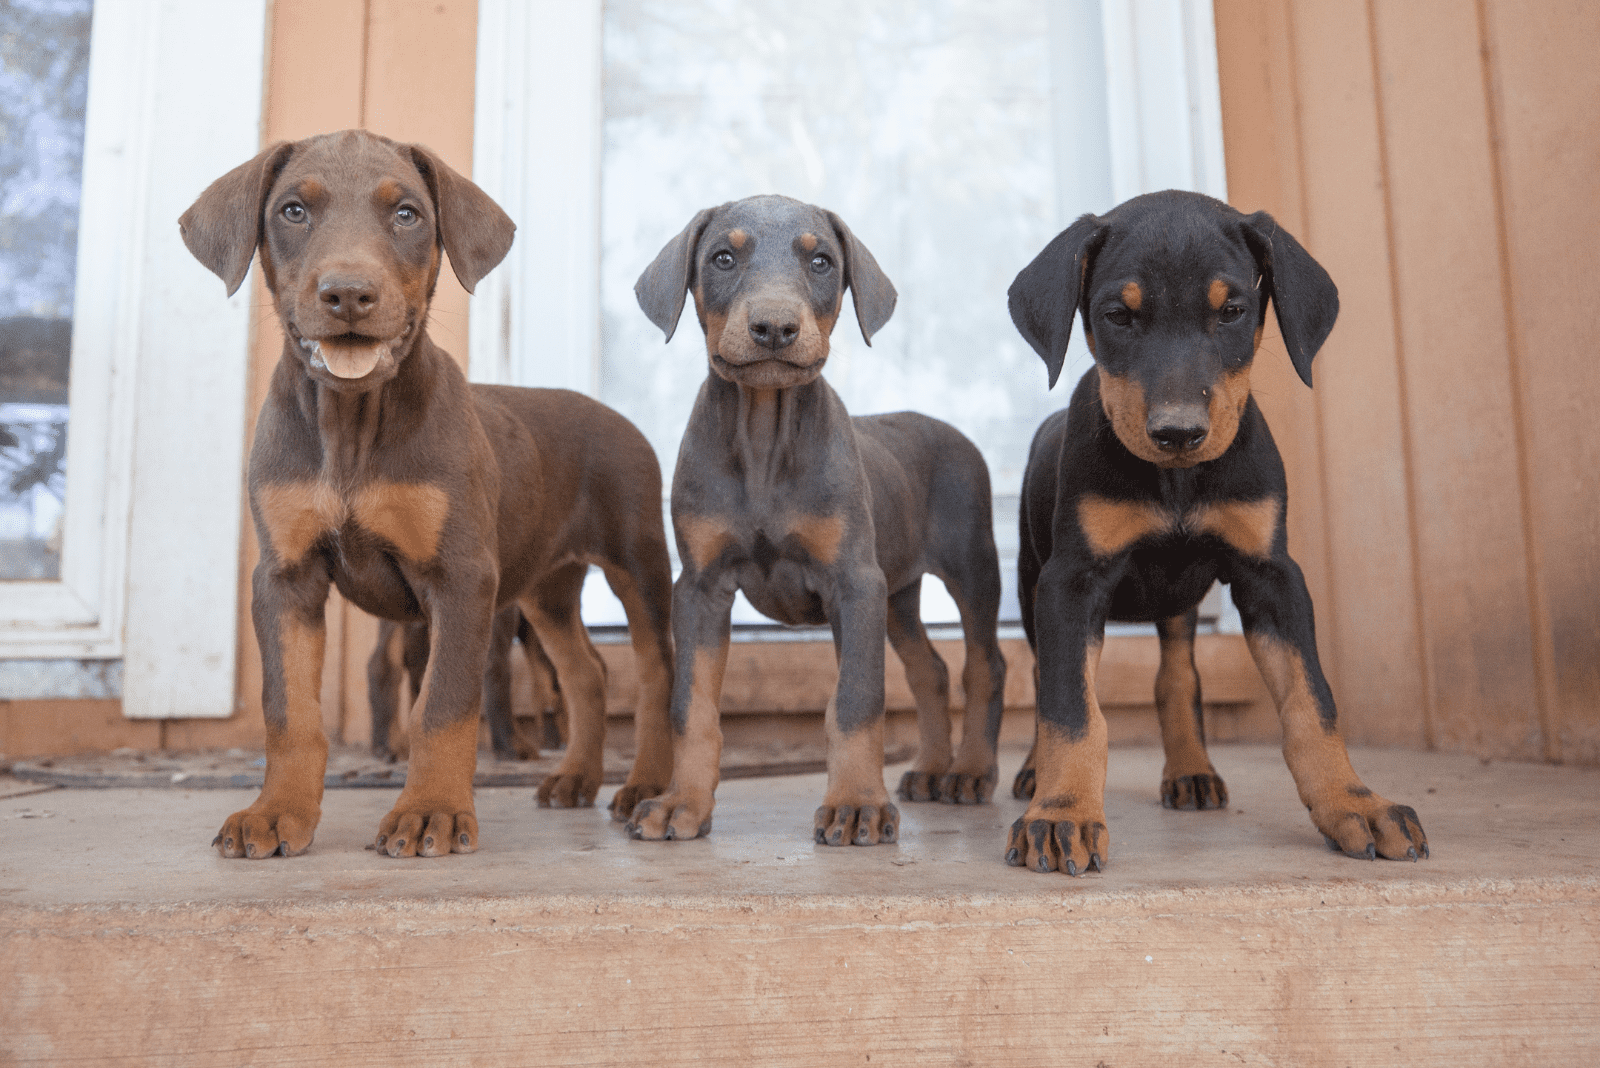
296	514
409	515
1111	526
819	535
705	538
1248	526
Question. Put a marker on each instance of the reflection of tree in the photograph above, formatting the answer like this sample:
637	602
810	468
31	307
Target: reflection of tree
37	459
44	69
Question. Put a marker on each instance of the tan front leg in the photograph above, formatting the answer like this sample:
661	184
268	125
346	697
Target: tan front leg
283	820
856	810
1351	817
684	810
1064	828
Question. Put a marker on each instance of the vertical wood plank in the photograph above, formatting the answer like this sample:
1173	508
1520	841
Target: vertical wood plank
420	71
1543	87
1457	376
1372	617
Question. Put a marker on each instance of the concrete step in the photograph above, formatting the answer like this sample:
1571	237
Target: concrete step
1214	938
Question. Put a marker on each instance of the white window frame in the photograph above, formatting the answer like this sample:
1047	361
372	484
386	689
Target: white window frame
150	555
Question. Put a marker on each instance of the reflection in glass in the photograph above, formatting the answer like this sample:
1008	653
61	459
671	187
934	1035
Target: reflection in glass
44	76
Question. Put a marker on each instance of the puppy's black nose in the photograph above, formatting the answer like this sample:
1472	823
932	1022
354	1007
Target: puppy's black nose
1177	438
347	297
773	329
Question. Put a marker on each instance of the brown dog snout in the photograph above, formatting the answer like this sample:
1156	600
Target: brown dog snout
347	295
1178	428
774	324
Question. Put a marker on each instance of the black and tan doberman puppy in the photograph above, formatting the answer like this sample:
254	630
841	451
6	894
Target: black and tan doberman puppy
400	657
1159	477
817	517
377	469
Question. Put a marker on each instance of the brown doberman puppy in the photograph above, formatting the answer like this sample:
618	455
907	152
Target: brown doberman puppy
376	468
1158	478
400	656
817	517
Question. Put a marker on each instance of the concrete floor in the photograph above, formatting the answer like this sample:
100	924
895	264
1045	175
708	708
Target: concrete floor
1490	948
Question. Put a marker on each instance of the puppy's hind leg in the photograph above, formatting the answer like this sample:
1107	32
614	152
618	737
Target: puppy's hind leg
552	610
929	680
1188	780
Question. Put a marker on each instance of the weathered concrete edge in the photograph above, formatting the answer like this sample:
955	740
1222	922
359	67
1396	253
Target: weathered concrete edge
817	911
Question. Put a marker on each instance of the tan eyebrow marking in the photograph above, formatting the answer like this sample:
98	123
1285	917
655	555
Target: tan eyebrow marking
737	238
808	242
1218	293
1132	295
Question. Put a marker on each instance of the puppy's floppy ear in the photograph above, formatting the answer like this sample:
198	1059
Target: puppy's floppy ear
1305	298
1047	292
224	226
870	288
662	287
474	232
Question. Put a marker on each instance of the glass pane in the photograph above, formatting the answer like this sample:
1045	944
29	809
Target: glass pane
44	80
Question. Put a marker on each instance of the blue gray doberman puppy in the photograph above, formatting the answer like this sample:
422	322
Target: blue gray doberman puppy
1159	478
818	517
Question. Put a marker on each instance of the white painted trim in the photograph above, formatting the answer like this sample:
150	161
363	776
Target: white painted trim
155	450
1163	100
194	344
535	320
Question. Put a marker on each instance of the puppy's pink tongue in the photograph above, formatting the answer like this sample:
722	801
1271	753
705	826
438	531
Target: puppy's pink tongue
351	359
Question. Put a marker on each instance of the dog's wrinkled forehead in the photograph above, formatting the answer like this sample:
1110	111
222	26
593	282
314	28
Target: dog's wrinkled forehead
352	162
769	230
1172	249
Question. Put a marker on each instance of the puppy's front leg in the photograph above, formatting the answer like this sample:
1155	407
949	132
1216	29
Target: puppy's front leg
287	609
702	604
1064	828
1276	609
856	809
434	814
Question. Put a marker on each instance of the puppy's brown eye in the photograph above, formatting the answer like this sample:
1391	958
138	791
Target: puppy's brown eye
406	216
1231	312
295	213
1120	316
724	260
821	264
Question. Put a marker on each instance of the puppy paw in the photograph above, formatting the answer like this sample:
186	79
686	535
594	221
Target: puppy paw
919	786
427	830
1197	792
1364	825
1059	838
565	789
674	816
628	797
961	786
861	825
262	831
